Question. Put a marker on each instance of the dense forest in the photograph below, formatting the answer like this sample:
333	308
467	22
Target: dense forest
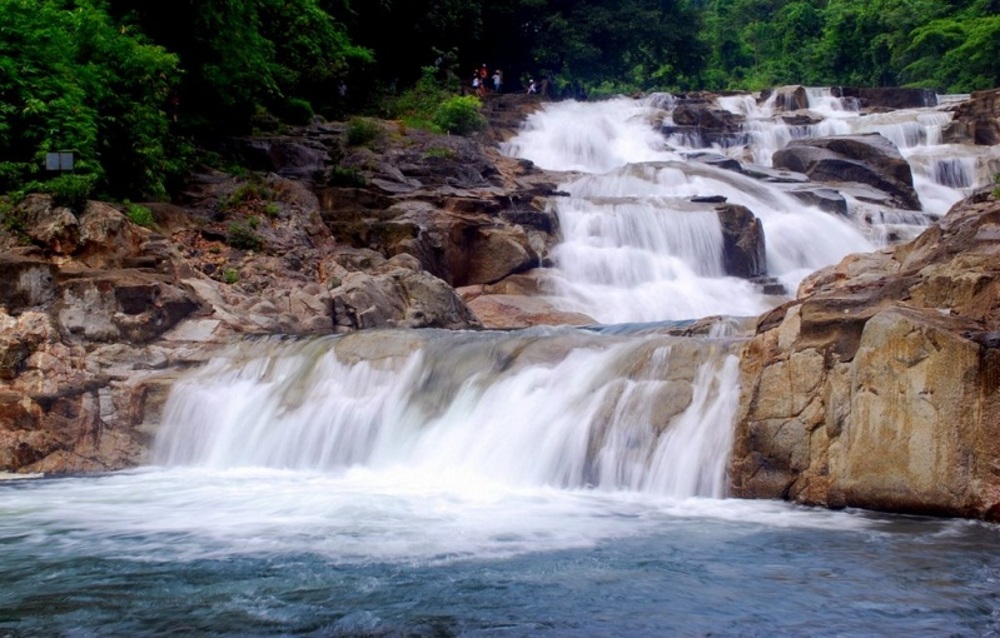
133	87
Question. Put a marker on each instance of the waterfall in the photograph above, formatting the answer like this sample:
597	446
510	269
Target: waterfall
563	408
635	247
626	406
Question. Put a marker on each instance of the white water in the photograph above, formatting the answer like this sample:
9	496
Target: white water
635	248
469	412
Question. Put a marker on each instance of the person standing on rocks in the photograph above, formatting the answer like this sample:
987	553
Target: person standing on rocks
497	81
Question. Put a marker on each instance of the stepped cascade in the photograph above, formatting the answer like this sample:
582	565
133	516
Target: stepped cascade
640	244
553	480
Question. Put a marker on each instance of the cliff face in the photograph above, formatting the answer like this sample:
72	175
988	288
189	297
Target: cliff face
877	386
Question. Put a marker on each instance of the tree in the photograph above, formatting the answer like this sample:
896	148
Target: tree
71	80
241	56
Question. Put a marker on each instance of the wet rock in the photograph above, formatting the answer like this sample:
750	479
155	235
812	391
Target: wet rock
744	253
872	98
826	199
867	159
977	120
791	98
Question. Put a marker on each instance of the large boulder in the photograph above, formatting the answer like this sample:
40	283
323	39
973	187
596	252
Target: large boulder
867	159
876	388
744	253
54	228
398	294
791	98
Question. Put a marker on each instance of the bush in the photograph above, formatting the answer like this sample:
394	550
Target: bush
294	110
71	191
460	115
243	238
139	214
362	131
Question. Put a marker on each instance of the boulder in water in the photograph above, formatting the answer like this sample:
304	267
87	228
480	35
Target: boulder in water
887	98
977	120
744	254
868	159
877	387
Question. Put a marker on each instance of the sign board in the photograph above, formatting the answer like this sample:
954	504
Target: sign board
58	161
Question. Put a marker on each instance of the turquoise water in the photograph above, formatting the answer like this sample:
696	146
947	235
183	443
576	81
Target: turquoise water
266	552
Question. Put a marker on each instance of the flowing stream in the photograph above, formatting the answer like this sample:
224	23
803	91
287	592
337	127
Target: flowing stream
552	481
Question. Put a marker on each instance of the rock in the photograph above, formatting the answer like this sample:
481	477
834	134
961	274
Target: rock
977	120
502	312
53	227
121	305
744	254
293	157
715	159
398	297
871	98
869	159
107	239
791	98
704	115
876	387
26	283
826	199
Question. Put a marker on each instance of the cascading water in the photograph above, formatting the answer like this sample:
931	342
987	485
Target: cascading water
552	481
568	409
635	247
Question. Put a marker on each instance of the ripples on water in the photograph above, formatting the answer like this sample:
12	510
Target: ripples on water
265	552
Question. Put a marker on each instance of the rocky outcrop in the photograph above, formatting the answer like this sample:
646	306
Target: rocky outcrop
977	120
887	98
398	294
790	98
867	159
519	301
876	388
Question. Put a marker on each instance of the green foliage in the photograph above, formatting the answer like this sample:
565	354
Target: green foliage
460	115
230	276
955	54
271	209
362	131
246	195
439	152
242	237
418	105
72	80
243	54
139	214
71	191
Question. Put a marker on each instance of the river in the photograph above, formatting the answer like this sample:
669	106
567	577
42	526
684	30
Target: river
548	482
